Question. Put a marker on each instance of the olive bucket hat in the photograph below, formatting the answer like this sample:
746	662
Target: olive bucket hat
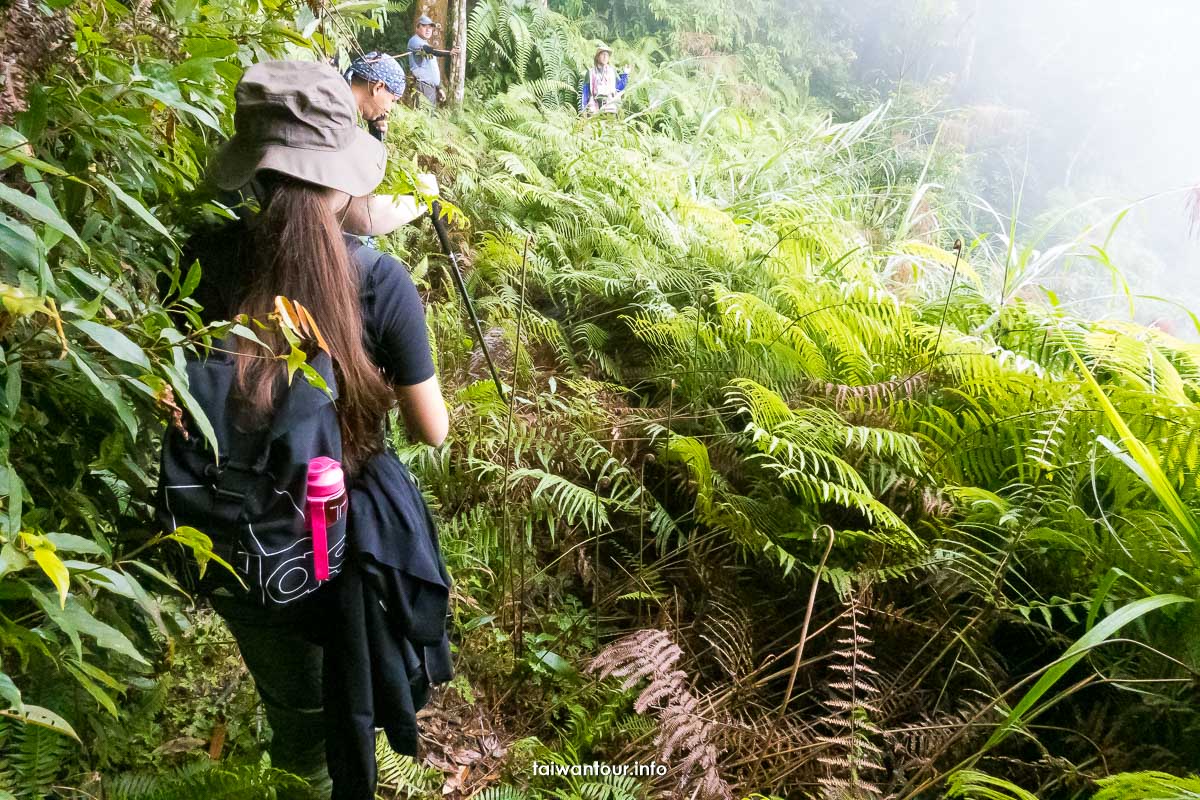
299	118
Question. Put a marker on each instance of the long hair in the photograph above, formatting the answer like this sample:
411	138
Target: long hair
298	252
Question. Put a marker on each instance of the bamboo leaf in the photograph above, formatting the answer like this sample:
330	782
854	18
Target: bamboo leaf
16	499
179	104
105	635
135	205
126	585
179	383
12	150
201	547
110	393
55	570
19	245
35	209
44	717
1142	461
191	281
315	379
70	543
246	333
295	359
91	687
9	692
115	342
12	386
11	560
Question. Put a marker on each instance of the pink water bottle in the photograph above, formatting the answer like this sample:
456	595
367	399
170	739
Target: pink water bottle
325	504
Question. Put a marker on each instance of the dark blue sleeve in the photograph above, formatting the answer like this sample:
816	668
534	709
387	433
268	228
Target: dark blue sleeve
397	322
585	92
622	79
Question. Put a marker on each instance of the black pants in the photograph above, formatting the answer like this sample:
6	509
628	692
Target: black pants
284	658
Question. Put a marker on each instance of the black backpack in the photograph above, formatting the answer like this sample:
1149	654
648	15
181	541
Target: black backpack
250	498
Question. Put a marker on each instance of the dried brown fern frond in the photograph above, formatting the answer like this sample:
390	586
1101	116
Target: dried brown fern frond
723	620
144	22
929	739
853	753
726	630
909	498
683	728
498	345
764	749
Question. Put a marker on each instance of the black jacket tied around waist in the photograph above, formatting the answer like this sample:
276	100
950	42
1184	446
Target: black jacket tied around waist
387	641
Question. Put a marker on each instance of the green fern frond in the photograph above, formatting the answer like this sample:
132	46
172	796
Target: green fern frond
33	758
1148	786
202	780
401	776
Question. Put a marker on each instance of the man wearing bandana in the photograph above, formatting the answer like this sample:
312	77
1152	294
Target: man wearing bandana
377	82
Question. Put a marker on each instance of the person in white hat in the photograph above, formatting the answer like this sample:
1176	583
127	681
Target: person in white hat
603	85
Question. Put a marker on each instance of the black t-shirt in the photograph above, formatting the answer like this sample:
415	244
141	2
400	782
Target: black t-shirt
393	316
395	319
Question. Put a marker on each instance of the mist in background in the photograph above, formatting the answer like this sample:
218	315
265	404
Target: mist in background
1066	101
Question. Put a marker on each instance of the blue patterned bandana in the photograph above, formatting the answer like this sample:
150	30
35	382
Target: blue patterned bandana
376	66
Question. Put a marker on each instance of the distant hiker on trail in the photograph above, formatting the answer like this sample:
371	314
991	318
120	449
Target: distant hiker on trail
423	61
341	594
377	81
603	85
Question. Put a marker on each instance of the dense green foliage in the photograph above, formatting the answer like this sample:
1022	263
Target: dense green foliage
886	520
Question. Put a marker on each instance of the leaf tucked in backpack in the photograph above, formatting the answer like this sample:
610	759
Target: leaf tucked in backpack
298	321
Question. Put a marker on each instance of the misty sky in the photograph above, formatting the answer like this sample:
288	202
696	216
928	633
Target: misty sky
1114	109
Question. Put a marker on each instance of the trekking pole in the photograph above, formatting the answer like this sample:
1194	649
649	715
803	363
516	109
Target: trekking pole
439	225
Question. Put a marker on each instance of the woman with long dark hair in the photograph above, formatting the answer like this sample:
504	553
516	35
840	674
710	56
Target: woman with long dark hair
299	149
